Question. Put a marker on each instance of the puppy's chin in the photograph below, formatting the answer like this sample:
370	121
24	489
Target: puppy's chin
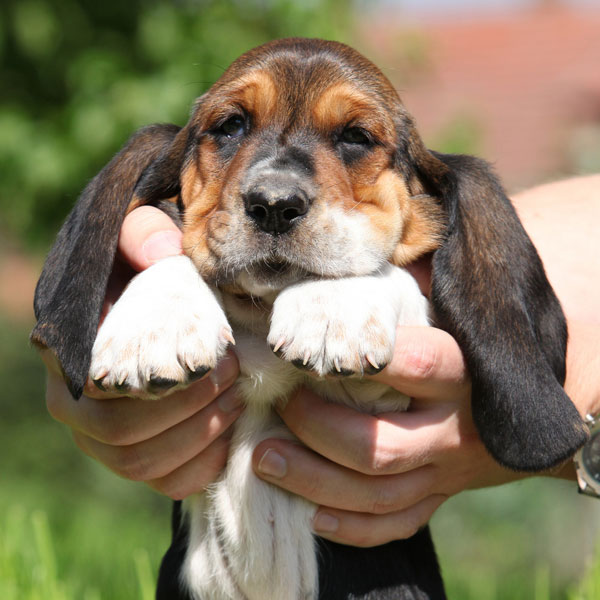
268	276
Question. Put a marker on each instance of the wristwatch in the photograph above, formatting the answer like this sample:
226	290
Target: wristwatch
587	460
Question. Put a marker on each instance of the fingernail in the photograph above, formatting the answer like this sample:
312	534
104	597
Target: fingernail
226	371
230	401
272	464
162	244
325	523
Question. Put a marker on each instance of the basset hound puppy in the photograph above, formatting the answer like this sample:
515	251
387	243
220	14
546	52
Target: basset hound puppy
303	190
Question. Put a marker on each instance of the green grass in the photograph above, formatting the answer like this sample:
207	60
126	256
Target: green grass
29	565
79	549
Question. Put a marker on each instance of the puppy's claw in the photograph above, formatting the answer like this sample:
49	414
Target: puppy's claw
373	367
300	364
341	372
227	335
197	373
98	383
306	358
372	362
101	374
122	386
278	345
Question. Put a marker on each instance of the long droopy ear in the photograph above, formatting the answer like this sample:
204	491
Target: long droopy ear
71	290
490	291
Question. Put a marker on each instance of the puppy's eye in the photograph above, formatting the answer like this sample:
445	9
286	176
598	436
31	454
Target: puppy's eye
355	135
233	127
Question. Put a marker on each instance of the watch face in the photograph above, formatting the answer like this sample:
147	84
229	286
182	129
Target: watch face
590	457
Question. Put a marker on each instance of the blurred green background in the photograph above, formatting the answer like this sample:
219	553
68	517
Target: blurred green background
77	77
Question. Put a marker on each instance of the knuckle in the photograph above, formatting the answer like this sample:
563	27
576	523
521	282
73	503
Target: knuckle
81	440
421	361
175	490
384	500
384	460
409	529
111	433
55	407
312	487
177	494
129	464
107	425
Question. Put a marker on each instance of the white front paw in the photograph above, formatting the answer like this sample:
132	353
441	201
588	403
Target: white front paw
345	326
317	328
165	330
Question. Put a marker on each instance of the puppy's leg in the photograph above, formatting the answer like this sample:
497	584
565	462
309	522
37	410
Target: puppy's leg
249	539
167	328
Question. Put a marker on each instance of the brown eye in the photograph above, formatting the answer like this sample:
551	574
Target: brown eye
233	127
355	135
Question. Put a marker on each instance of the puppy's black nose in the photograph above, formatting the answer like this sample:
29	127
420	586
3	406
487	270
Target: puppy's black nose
276	213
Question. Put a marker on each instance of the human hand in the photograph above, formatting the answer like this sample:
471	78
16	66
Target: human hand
177	446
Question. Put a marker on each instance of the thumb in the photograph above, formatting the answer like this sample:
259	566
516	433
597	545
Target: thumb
427	364
147	235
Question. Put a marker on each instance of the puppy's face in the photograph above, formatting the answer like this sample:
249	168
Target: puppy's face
291	171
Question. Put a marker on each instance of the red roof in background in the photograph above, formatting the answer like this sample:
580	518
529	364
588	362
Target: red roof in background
526	79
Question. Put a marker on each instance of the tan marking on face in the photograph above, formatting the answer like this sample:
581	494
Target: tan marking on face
211	213
200	191
253	93
384	203
344	105
258	95
191	184
423	231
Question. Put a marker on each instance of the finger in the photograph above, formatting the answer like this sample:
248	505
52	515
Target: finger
128	420
366	530
427	364
195	475
296	469
374	445
51	361
160	455
147	235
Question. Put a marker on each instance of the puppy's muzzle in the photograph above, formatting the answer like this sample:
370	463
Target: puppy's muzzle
277	204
